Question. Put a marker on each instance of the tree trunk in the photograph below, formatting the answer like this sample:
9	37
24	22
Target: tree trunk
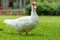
30	1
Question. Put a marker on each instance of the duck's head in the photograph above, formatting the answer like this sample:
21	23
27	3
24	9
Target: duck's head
34	5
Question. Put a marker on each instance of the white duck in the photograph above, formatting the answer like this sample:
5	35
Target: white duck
26	23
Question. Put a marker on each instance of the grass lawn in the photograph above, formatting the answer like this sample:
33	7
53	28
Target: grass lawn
48	28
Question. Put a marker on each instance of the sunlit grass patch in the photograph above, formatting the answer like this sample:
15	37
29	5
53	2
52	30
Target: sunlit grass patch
48	28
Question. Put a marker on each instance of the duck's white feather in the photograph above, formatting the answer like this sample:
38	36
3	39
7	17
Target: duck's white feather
24	23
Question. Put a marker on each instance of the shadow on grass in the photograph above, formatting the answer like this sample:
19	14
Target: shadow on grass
32	34
35	34
29	34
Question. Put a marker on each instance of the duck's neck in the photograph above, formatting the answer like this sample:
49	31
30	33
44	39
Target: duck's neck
33	12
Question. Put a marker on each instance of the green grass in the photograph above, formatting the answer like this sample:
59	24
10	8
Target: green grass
48	28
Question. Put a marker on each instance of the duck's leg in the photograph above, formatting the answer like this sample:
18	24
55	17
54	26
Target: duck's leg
26	33
22	33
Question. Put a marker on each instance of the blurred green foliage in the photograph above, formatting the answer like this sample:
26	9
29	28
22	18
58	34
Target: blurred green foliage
45	8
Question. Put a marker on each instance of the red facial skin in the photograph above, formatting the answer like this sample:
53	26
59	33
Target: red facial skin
33	4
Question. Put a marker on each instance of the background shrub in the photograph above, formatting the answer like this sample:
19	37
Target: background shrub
45	9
